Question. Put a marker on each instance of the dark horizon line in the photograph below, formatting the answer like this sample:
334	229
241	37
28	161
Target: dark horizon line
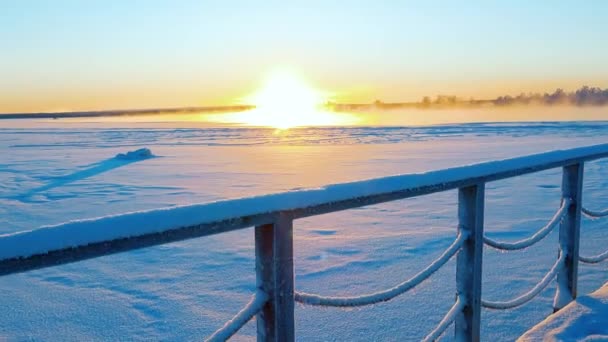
584	96
124	112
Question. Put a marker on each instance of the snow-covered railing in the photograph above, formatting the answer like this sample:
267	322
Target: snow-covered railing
273	217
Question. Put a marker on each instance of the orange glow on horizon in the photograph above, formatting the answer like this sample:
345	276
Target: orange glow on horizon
286	101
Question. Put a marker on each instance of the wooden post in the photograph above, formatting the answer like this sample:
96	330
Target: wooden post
468	262
569	231
264	280
274	269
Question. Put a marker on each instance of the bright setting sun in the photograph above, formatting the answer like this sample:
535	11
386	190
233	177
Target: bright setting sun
286	101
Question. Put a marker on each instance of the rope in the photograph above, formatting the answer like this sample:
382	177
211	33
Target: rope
539	235
240	319
593	259
526	297
594	214
446	321
383	296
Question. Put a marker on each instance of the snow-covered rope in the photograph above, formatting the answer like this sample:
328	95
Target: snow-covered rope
539	235
446	321
594	214
383	296
237	322
593	259
526	297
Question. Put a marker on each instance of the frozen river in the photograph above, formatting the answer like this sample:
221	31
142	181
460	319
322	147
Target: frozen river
54	172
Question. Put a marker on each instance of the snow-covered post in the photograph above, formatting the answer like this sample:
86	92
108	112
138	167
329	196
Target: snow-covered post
572	187
274	270
468	262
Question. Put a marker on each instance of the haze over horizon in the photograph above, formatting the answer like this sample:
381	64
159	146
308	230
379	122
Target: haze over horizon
71	56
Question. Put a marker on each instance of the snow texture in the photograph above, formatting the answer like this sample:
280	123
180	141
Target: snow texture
582	320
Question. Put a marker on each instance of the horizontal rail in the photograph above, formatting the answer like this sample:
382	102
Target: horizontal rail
383	296
538	236
80	240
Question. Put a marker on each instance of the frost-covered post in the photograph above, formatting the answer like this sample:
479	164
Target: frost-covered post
567	276
274	270
468	262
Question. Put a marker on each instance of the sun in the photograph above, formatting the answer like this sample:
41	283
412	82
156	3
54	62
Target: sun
285	101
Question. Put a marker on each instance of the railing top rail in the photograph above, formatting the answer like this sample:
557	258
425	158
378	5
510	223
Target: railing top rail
83	239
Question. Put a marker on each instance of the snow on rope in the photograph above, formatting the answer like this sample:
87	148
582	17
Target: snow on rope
383	296
446	321
526	297
539	235
594	214
237	322
593	259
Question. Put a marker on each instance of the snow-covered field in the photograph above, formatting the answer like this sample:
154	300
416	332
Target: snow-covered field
581	320
52	172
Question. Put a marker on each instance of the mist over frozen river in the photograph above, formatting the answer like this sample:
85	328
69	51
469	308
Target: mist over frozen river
53	172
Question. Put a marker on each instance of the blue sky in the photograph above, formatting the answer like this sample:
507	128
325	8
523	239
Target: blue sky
76	55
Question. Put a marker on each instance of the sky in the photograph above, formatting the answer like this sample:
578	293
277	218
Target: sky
92	55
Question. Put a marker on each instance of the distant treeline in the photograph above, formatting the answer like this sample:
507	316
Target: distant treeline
585	96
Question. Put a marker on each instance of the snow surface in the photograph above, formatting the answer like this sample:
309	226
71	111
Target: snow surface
581	320
59	171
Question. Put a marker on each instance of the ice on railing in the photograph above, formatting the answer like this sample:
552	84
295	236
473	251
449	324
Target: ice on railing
84	232
581	320
563	294
526	297
245	315
446	321
389	294
539	235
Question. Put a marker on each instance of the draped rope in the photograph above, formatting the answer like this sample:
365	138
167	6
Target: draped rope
526	297
383	296
594	214
539	235
593	259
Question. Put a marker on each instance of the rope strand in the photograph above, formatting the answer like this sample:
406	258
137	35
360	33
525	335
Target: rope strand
526	297
383	296
539	235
